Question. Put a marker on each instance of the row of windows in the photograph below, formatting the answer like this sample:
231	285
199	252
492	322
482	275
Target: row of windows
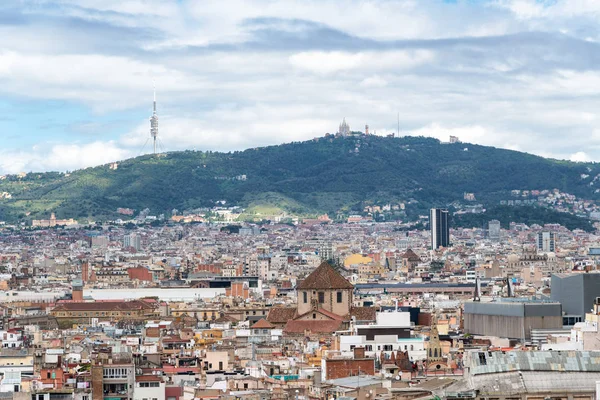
321	296
385	347
149	384
115	372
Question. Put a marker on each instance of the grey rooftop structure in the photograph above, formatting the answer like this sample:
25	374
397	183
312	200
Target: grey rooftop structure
522	373
511	318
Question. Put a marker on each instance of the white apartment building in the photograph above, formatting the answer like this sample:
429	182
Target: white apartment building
390	333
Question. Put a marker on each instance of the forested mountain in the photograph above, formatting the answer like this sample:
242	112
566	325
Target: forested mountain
322	175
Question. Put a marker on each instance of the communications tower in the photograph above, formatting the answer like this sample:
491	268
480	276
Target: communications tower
154	123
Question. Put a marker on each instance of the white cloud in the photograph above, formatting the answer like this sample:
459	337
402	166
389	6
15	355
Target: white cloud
61	157
104	82
374	81
580	156
242	73
336	61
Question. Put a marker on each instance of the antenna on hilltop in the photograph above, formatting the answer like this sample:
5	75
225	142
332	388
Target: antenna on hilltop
154	120
153	124
398	131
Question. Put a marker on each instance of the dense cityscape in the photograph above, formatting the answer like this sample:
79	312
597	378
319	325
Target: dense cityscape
202	310
299	200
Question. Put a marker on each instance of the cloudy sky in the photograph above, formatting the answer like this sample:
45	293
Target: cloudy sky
76	75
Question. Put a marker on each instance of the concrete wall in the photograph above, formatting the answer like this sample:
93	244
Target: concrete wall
509	326
330	303
576	292
213	358
149	393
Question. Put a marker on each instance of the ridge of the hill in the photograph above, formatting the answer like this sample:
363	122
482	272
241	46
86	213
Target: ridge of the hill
324	175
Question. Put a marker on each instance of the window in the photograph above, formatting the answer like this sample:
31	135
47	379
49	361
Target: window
339	297
314	316
149	384
321	297
305	297
388	347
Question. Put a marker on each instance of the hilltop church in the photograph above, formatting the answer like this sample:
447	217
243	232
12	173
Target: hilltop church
324	305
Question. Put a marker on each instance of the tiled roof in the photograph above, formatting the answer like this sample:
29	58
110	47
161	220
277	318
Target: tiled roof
104	306
262	324
364	313
301	326
325	277
281	315
324	312
411	255
148	378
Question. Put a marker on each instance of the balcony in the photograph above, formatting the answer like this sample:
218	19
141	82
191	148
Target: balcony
115	391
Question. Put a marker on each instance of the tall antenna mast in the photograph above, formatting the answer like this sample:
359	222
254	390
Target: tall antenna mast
154	121
398	131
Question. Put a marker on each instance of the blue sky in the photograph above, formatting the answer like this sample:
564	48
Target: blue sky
76	75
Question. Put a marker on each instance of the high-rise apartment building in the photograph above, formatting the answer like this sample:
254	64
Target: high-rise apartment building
440	230
546	242
132	240
494	230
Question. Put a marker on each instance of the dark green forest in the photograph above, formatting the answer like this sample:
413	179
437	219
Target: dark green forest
325	175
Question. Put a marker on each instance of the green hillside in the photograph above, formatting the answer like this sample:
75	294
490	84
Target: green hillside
317	176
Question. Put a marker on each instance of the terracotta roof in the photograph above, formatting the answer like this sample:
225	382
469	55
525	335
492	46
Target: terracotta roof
148	378
280	315
411	255
301	326
225	318
325	277
262	324
104	306
364	313
324	312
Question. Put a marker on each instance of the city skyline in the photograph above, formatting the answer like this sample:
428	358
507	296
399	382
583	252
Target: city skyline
514	74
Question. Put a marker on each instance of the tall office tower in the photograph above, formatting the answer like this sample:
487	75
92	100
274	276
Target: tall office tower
494	230
132	240
546	242
440	230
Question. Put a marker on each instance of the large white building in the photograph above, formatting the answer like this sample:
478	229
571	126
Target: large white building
390	333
